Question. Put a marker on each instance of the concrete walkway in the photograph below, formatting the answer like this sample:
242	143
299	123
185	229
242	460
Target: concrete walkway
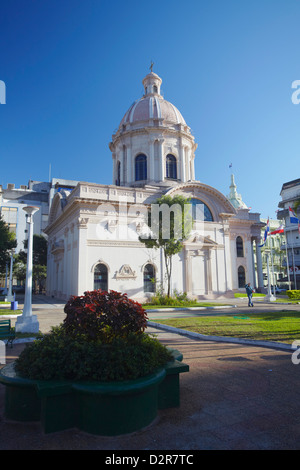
235	396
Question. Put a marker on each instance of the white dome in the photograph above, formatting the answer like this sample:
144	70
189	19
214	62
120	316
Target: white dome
152	105
153	144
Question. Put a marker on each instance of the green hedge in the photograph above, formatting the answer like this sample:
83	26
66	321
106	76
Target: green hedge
58	356
293	294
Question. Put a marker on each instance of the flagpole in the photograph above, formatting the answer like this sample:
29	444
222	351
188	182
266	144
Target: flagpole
271	243
270	296
295	282
287	260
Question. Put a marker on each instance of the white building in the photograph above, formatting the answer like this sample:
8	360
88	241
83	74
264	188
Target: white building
93	231
36	193
290	194
277	256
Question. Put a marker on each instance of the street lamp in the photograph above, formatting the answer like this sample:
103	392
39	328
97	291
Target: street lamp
28	323
269	296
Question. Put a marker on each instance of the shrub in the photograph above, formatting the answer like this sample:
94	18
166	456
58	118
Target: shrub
102	338
293	294
58	356
160	298
104	315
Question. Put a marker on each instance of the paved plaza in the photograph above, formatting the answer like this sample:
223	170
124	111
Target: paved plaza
236	396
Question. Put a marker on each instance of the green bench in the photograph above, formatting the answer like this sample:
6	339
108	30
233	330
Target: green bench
7	332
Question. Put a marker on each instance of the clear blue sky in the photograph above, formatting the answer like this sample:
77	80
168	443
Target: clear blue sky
72	68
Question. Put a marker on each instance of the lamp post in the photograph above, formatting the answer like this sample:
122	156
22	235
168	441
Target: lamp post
269	296
28	323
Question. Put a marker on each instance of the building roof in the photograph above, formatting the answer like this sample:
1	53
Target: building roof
152	105
290	184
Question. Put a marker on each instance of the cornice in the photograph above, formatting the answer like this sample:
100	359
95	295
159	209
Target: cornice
162	130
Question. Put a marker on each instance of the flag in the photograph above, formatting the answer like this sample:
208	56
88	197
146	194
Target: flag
266	233
230	166
278	230
293	218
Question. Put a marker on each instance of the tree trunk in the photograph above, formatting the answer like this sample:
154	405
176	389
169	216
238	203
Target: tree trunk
168	263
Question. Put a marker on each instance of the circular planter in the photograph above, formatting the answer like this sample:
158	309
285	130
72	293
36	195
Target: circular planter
101	408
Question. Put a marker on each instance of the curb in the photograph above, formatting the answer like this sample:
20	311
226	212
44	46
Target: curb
10	316
224	339
183	309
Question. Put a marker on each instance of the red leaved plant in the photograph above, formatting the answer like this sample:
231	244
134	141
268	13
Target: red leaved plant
104	315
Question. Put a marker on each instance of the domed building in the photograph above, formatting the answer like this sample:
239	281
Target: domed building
93	231
153	143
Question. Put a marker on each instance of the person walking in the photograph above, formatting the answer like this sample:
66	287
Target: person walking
249	292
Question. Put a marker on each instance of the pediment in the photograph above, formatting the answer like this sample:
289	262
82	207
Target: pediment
201	240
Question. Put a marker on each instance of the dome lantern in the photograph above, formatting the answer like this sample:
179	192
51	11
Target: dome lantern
152	83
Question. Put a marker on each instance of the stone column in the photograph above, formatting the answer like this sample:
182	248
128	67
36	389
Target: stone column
81	251
65	263
161	160
114	168
208	271
182	166
151	161
129	166
187	272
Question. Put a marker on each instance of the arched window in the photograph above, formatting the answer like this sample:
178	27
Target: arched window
141	167
241	277
154	89
118	180
207	213
149	278
171	167
100	277
239	247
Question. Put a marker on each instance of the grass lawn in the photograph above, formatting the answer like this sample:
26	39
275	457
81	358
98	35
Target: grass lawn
6	311
255	294
194	304
283	327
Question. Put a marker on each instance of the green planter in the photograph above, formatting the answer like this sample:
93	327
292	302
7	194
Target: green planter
107	409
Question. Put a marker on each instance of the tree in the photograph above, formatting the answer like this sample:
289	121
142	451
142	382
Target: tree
7	242
169	224
39	261
39	249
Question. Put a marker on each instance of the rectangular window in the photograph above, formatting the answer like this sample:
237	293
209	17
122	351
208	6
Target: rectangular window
9	214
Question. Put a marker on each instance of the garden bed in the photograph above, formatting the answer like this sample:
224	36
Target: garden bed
107	408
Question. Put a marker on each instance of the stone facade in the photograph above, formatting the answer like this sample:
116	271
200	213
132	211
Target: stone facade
93	231
290	195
